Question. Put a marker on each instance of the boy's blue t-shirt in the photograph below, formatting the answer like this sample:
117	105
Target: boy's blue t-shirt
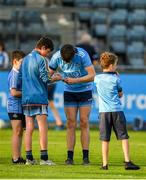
74	69
14	104
108	85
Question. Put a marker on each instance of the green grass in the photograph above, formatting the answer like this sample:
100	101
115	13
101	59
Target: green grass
57	153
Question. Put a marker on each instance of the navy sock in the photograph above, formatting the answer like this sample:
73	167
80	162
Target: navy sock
44	155
70	154
29	155
85	154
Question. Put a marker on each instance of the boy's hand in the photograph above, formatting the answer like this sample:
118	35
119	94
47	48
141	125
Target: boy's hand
56	77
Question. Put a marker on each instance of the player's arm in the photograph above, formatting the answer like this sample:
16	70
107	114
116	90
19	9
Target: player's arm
14	92
88	78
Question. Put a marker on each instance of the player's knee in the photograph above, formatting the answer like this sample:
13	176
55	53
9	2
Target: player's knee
84	123
19	132
71	124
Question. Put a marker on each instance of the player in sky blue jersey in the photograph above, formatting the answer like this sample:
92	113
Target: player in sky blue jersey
35	79
111	114
14	107
78	73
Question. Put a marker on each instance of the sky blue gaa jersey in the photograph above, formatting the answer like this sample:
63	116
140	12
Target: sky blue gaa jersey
108	85
14	104
74	69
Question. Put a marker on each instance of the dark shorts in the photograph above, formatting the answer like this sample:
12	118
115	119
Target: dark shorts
51	91
15	116
115	120
77	99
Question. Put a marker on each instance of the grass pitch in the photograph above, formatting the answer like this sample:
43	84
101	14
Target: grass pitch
57	153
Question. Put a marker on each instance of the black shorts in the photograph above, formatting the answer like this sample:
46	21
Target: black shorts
51	91
117	120
77	99
15	116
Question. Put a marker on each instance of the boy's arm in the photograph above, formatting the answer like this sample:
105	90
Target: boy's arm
14	92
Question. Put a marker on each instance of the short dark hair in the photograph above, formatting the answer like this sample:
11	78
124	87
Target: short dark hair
67	52
45	41
17	54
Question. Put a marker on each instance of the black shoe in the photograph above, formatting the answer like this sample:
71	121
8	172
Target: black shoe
86	161
20	160
104	167
69	162
131	166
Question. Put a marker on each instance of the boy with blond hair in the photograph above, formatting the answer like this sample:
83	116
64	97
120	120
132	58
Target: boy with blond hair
111	114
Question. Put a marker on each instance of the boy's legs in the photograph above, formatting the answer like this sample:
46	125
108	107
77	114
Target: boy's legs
43	131
105	150
125	146
16	138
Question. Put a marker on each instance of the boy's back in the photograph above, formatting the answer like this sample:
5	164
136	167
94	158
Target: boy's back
108	86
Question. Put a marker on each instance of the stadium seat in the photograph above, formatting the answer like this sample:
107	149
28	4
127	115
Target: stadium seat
137	4
117	32
137	17
14	2
100	30
84	16
81	3
68	2
99	17
118	16
36	3
137	33
135	53
101	3
119	4
118	46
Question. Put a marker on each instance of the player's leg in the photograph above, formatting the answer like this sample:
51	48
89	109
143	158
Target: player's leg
85	138
43	133
84	103
119	126
55	114
28	139
71	114
105	126
105	152
16	139
58	122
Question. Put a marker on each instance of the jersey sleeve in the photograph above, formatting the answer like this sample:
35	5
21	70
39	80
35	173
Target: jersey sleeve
86	61
43	70
53	62
13	81
119	86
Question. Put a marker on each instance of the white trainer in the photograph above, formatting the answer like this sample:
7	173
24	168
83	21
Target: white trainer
31	162
47	162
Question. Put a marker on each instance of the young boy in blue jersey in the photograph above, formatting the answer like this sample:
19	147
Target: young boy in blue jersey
35	79
111	114
14	107
78	72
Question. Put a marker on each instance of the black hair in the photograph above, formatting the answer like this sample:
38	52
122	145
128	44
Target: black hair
67	52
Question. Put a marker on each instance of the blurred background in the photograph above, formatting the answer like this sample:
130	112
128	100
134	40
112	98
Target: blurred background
108	25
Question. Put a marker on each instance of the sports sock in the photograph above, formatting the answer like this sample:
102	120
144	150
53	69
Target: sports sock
70	154
44	155
29	155
85	154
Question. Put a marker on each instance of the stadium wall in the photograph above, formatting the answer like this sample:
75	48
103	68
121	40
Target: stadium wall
134	100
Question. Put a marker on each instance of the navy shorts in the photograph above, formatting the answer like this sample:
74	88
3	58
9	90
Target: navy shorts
115	120
51	91
16	116
77	99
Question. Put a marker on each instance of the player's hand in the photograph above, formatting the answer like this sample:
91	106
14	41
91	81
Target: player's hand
70	80
56	77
